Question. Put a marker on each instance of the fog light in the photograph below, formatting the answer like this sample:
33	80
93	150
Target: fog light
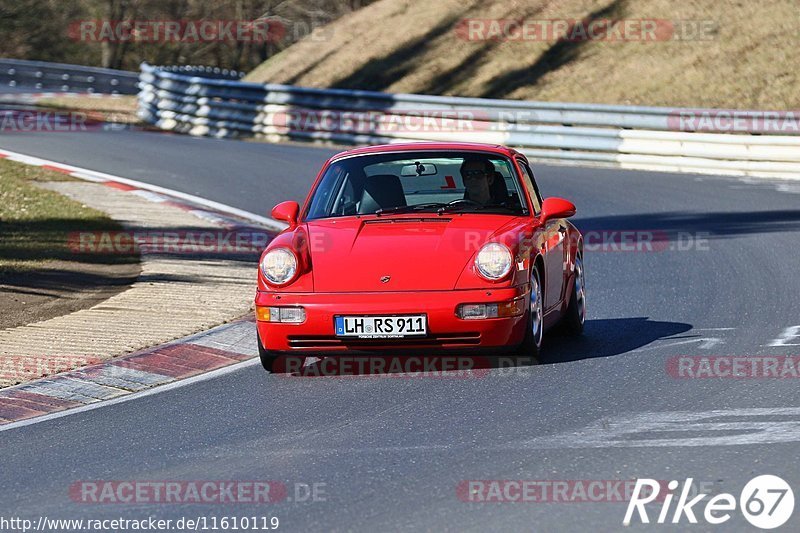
480	311
292	315
288	315
477	311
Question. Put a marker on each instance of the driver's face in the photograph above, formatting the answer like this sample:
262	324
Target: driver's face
477	181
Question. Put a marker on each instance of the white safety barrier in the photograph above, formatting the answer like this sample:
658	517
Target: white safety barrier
44	76
213	102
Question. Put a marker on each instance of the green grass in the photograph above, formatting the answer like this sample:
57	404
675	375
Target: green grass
35	223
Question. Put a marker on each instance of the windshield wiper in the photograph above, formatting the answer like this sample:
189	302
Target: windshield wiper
458	204
408	208
449	208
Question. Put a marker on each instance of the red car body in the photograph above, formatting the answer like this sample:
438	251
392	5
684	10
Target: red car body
413	263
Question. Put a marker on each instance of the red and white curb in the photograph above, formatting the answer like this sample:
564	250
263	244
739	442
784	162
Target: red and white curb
223	349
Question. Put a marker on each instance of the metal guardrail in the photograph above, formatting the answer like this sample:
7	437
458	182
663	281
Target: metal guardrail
43	76
189	101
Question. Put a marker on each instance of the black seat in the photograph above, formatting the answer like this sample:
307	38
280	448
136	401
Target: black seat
498	190
382	191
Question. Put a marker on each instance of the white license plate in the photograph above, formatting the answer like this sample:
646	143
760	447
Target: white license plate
380	327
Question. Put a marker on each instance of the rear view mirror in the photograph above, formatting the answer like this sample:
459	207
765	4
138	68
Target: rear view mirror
556	208
286	212
419	169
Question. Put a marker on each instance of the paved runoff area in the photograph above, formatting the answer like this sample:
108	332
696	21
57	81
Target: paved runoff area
174	361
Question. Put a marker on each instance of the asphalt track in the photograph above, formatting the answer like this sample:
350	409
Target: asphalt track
391	450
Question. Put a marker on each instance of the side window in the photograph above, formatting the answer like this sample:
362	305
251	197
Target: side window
346	201
530	184
327	192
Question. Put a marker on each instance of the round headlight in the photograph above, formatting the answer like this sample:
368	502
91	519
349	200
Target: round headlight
279	266
493	261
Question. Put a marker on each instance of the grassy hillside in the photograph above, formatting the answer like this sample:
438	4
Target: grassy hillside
749	58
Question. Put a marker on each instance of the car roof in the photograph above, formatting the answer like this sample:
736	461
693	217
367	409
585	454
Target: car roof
428	146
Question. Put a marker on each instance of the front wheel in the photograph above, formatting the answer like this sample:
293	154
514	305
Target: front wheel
532	343
576	311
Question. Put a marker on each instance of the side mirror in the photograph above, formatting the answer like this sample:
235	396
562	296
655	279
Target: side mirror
286	212
556	208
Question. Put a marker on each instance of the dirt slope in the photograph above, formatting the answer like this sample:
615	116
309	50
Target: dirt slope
748	55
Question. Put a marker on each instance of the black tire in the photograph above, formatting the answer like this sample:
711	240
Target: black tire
575	317
267	358
532	344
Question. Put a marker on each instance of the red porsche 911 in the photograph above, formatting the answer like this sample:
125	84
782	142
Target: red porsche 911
420	247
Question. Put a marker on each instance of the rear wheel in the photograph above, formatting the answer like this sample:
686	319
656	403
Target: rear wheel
535	330
576	311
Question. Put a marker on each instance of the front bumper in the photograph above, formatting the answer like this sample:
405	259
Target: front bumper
446	332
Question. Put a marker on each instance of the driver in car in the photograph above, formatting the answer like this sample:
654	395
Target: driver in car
478	176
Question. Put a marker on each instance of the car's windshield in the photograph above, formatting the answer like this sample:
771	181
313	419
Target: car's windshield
383	184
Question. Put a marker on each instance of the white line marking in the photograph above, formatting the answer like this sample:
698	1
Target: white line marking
790	333
19	158
149	196
710	342
88	174
210	217
788	188
135	395
728	427
706	343
88	177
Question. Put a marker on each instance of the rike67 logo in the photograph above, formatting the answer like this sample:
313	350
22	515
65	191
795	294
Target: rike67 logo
767	502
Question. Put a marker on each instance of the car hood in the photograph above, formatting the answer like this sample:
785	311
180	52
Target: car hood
415	253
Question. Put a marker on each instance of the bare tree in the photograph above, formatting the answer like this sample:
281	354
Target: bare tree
40	29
